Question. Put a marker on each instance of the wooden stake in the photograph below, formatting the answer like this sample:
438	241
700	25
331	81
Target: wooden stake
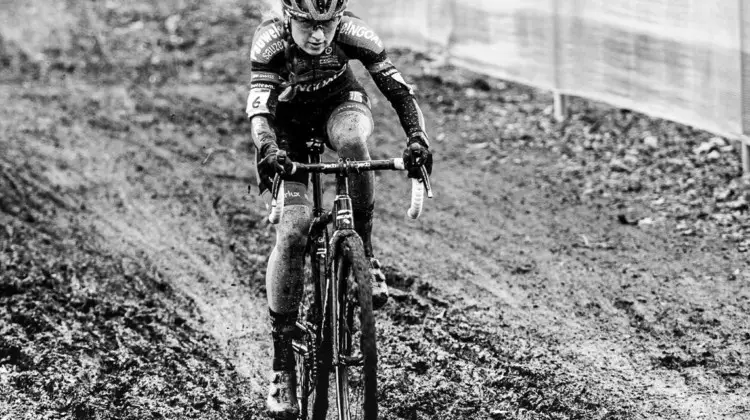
744	139
561	106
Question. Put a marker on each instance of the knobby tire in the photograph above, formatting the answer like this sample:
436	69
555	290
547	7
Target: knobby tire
356	385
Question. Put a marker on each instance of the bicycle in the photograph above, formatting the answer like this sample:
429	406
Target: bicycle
336	327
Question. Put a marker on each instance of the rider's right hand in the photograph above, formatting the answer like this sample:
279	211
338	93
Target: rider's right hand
274	162
417	154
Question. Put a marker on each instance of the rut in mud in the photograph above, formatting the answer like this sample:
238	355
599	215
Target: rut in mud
592	269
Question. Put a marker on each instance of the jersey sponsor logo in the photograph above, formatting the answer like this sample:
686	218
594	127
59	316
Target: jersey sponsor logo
272	49
357	107
264	76
290	194
360	31
329	59
295	194
268	86
312	87
268	38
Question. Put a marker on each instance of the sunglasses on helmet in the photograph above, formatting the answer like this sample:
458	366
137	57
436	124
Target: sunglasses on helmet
309	25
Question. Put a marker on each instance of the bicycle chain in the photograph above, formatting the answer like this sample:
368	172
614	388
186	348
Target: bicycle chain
311	362
312	357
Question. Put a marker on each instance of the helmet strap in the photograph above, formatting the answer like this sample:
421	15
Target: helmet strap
288	28
338	27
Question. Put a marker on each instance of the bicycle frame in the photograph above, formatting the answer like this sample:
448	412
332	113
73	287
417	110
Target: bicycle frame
321	242
320	329
321	247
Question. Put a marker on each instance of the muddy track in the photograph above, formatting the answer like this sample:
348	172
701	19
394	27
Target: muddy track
563	271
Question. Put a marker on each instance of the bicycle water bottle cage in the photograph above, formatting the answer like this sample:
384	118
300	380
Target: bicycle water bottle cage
316	145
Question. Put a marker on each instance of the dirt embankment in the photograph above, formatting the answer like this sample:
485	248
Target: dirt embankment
594	269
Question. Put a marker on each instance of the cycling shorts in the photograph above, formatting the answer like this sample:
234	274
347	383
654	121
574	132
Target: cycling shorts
296	123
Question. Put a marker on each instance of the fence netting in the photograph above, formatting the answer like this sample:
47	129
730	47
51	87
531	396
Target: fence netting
681	60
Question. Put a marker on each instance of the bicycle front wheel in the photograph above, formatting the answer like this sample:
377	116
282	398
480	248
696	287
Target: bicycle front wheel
355	357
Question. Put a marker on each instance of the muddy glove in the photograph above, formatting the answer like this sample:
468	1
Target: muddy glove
274	161
416	154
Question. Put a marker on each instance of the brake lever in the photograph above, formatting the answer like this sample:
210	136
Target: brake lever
426	181
281	159
276	186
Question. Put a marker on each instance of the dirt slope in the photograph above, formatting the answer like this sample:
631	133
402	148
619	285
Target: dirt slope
562	271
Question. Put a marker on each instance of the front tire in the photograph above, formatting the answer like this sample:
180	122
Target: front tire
354	333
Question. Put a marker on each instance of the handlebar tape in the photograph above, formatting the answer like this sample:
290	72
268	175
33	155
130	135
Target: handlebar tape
417	199
417	192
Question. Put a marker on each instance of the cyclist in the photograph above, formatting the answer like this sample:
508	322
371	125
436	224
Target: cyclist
302	85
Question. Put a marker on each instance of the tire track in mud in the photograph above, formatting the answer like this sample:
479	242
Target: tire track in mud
450	362
147	199
555	271
529	302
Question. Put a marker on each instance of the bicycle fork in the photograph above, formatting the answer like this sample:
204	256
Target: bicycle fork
342	205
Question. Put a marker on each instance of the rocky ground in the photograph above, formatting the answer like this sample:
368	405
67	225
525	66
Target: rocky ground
590	269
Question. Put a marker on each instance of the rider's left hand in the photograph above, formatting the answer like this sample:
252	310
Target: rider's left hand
275	162
416	154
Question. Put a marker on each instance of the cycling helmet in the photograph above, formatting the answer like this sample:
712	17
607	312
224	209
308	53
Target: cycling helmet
314	9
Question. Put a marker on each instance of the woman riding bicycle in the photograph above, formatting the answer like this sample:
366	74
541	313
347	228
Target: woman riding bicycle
302	86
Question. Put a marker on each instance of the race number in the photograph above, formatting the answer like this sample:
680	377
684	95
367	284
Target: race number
257	102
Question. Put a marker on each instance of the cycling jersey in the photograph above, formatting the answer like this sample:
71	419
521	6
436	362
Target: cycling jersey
282	72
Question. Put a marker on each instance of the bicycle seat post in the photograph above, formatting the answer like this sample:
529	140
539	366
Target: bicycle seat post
315	148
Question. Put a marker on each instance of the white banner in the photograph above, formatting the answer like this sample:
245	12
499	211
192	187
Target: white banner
676	59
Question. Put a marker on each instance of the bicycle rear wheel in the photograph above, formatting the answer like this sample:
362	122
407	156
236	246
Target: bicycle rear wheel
312	351
354	333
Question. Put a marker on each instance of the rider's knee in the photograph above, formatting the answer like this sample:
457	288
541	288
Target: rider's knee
352	147
349	130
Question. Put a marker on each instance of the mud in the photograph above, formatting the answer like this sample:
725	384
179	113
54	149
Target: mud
591	269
